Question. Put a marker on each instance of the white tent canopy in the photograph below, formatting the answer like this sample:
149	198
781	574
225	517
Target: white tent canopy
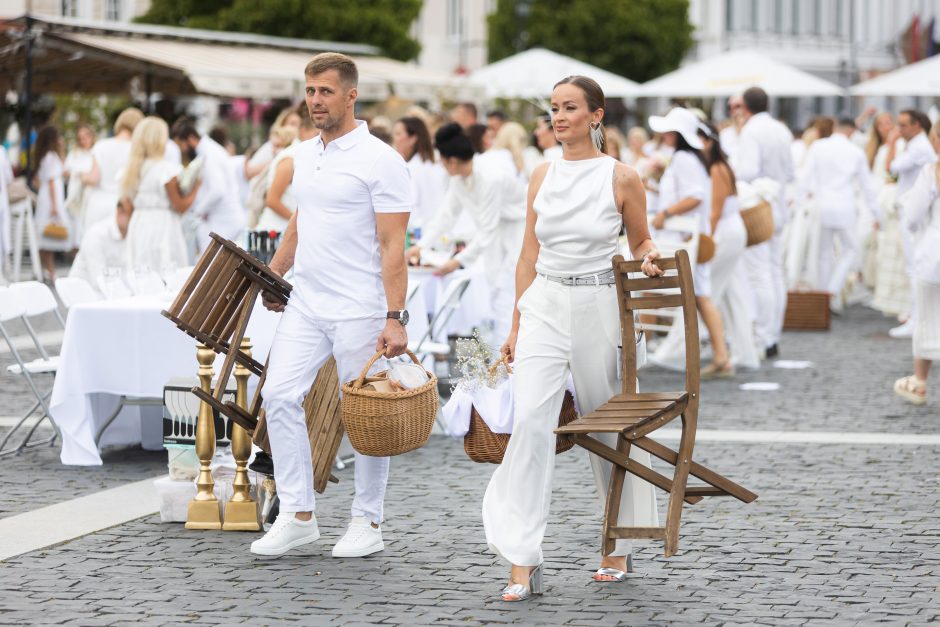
917	79
533	73
731	73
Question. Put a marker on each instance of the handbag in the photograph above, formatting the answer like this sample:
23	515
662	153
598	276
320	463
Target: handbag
54	230
706	248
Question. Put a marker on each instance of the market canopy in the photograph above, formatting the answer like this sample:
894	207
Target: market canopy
917	79
533	74
97	57
729	74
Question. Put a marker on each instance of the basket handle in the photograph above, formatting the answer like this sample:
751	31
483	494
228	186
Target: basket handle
362	376
504	359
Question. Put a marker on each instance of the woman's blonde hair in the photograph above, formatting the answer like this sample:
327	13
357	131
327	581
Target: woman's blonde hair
614	141
874	139
128	120
514	138
147	142
285	135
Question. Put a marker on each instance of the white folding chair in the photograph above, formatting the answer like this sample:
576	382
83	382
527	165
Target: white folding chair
12	306
449	303
24	227
74	290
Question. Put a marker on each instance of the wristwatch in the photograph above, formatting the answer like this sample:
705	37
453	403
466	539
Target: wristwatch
401	316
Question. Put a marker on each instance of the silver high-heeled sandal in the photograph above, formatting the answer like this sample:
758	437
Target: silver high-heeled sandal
614	575
519	592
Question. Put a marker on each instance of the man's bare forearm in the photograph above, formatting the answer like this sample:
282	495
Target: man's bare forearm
284	257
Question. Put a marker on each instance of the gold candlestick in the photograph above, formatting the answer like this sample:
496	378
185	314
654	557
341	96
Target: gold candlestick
204	510
241	511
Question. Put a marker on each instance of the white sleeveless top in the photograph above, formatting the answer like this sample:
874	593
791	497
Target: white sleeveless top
578	223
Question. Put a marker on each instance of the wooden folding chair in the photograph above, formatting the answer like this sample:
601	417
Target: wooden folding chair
635	415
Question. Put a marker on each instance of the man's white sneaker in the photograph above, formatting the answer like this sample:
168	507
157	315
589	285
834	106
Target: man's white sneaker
903	331
361	539
285	534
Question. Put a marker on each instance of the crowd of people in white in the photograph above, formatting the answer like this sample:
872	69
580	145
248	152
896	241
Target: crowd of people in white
854	205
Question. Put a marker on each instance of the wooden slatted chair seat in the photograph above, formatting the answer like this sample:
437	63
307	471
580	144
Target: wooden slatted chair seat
635	415
630	413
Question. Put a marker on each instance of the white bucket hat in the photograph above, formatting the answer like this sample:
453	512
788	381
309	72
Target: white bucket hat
681	121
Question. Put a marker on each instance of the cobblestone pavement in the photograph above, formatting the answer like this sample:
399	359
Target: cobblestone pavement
841	533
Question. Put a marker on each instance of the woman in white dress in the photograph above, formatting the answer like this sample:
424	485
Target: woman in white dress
279	201
685	187
50	204
577	207
921	211
78	162
412	140
109	158
729	290
151	191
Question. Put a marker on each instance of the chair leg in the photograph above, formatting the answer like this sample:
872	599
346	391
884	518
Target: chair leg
614	492
107	423
679	481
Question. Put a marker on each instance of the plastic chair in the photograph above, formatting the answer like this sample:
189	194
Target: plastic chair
75	290
448	305
13	306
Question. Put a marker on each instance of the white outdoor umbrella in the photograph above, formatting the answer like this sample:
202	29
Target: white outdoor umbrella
533	73
731	73
917	79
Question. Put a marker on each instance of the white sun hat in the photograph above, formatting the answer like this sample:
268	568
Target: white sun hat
681	121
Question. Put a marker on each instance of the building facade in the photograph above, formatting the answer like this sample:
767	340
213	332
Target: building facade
100	10
453	34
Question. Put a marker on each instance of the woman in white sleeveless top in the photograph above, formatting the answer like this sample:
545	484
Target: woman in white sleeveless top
576	209
109	159
155	233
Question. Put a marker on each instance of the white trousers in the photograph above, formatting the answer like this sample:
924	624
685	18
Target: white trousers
301	346
729	293
778	285
562	329
759	274
833	272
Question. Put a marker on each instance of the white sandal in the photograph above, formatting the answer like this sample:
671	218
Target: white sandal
911	389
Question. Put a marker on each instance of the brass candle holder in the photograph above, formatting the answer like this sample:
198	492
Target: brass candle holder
204	512
241	511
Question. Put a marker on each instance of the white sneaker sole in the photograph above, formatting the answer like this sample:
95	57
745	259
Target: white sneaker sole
291	545
368	550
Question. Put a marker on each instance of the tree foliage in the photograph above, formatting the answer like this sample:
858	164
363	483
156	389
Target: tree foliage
638	39
382	23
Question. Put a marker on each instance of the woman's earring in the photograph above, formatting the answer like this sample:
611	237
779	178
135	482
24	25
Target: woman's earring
597	136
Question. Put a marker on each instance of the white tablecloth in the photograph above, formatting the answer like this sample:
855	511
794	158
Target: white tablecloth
125	347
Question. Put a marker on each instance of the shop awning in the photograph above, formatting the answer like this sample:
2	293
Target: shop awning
917	79
78	56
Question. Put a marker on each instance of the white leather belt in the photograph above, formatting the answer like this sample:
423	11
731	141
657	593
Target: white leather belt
595	280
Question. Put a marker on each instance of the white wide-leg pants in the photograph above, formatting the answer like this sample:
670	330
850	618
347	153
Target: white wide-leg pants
728	293
778	284
301	346
562	329
760	277
833	272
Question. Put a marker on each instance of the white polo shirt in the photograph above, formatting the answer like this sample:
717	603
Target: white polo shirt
339	189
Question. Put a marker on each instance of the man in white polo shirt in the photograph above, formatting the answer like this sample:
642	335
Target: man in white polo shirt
346	242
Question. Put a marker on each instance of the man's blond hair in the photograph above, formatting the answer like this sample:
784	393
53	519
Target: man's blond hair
344	66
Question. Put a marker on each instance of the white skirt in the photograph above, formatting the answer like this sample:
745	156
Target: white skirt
100	205
926	342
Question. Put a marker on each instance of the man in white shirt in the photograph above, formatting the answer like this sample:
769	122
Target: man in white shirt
217	207
913	127
729	136
103	246
346	243
834	165
764	152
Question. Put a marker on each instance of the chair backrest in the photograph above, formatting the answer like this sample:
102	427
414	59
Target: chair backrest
37	297
413	287
75	290
450	301
644	293
11	305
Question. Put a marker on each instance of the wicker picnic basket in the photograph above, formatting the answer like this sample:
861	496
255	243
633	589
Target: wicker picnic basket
485	447
381	424
706	248
759	223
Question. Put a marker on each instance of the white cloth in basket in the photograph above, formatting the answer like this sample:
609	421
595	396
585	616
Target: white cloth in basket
493	404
